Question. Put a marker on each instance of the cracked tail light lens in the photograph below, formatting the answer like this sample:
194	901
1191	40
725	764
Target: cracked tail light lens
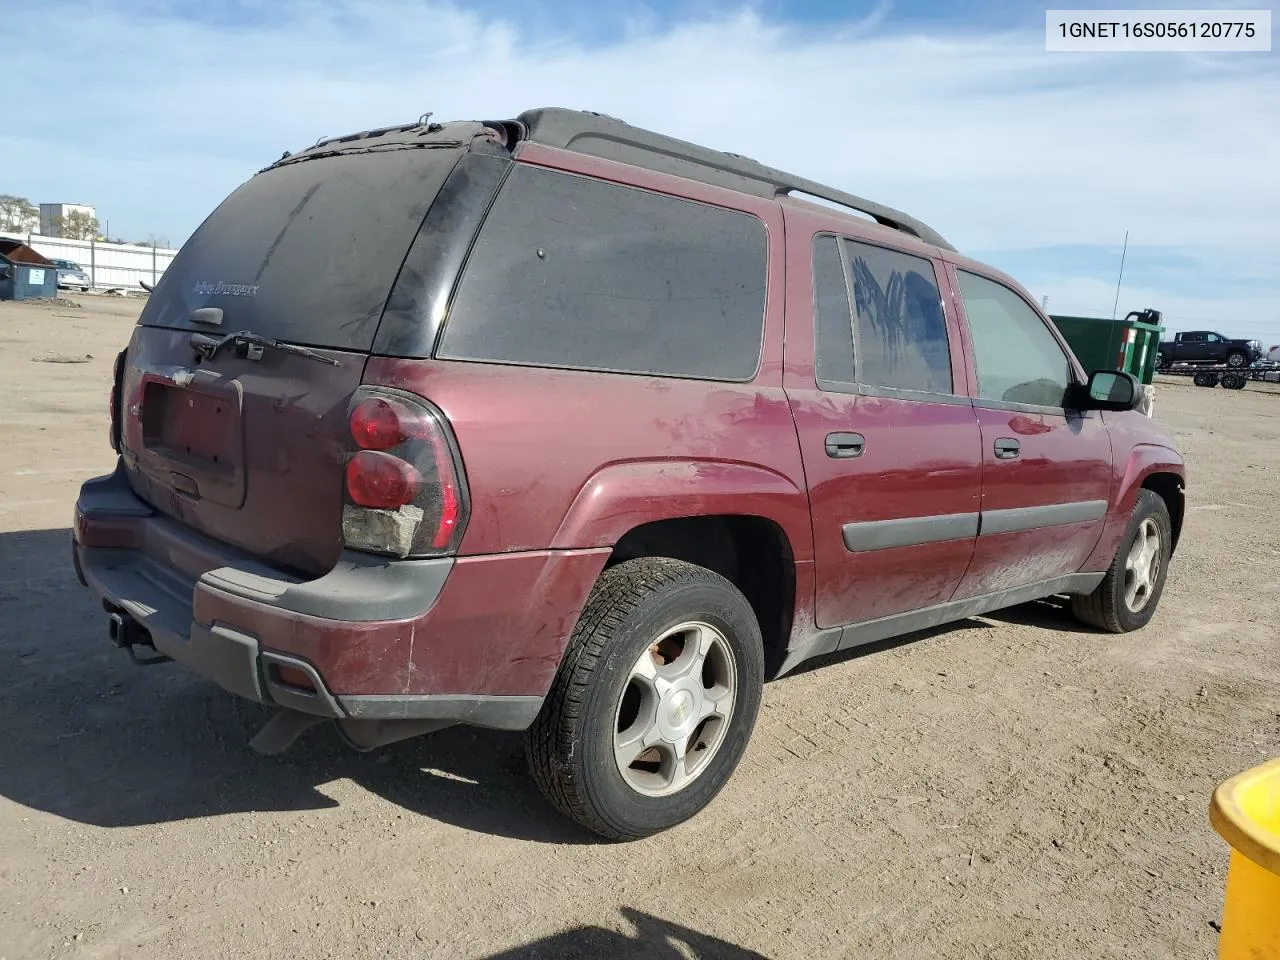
404	494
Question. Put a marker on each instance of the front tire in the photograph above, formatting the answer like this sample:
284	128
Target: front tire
654	701
1237	359
1127	598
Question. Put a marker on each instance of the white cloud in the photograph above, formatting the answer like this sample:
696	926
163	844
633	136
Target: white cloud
985	136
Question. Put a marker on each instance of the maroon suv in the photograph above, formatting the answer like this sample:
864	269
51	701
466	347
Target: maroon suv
559	425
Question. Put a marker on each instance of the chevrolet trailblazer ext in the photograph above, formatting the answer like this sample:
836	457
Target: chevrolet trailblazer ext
558	425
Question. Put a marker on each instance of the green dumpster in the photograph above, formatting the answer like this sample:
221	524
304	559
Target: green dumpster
1130	345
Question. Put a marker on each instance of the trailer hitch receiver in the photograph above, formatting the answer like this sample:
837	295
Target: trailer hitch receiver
126	633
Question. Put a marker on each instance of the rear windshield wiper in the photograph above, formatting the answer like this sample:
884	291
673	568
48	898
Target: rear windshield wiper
293	158
208	346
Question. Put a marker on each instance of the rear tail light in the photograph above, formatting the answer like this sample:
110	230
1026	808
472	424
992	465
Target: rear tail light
382	480
379	423
404	491
116	374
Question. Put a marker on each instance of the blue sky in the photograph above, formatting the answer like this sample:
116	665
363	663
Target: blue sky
1036	162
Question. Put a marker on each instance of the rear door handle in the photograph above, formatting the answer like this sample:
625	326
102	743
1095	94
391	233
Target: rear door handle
1007	449
841	446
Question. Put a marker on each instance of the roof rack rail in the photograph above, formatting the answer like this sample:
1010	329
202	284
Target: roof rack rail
602	136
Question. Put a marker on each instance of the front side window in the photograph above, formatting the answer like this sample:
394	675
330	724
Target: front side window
1017	358
577	273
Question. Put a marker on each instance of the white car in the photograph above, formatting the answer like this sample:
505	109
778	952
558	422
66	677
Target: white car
1273	353
71	274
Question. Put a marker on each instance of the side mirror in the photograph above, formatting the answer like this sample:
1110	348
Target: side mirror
1112	390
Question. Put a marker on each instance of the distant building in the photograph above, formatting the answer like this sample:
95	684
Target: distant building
53	215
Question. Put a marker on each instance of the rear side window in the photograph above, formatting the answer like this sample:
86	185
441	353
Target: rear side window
573	272
1016	358
900	332
832	318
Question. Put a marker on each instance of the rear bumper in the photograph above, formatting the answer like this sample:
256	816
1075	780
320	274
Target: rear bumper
375	638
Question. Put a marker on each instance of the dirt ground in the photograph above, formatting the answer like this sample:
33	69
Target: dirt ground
1014	786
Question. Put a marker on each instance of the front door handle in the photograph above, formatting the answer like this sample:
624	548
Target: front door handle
844	445
1007	448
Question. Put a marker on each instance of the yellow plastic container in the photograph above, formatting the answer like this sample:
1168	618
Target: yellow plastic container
1246	811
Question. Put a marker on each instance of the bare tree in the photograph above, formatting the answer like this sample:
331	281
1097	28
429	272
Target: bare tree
76	225
17	214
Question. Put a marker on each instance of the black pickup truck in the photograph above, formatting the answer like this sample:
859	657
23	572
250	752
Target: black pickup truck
1207	347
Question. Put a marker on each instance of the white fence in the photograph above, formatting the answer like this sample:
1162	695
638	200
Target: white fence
107	264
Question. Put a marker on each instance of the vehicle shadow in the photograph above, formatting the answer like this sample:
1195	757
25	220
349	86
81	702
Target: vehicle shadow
880	646
655	938
93	738
1051	613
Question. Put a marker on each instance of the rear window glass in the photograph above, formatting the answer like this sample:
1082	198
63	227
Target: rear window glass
305	252
578	273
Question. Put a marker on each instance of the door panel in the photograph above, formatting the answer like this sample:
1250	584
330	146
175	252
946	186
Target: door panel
1196	350
894	508
893	527
1046	470
1043	510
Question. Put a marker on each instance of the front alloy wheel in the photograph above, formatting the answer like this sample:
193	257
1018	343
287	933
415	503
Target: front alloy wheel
1142	566
1127	597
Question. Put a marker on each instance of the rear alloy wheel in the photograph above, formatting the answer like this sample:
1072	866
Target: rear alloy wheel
675	709
654	702
1130	592
1237	359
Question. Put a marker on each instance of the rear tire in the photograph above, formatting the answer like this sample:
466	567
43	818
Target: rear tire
660	643
1127	598
1205	379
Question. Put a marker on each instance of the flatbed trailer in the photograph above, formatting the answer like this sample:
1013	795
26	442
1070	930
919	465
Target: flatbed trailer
1229	378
